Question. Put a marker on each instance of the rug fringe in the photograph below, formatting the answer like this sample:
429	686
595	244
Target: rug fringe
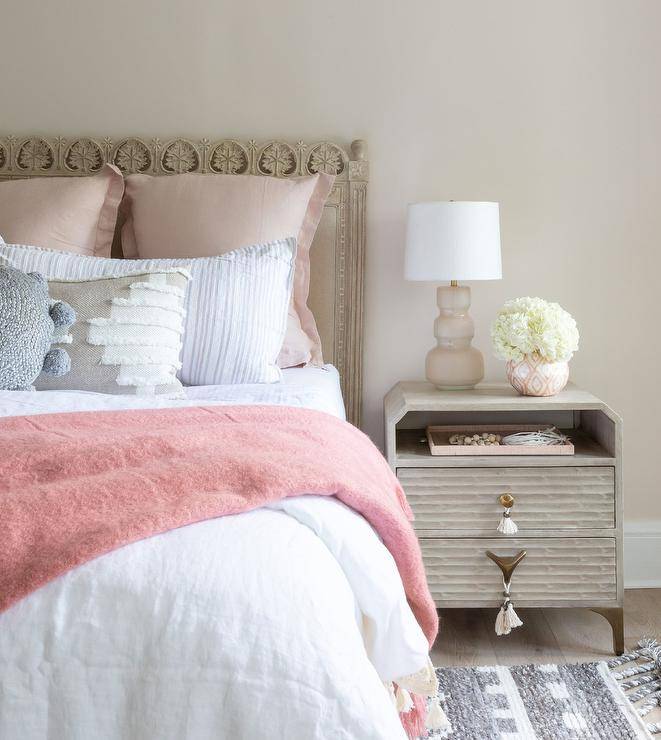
645	689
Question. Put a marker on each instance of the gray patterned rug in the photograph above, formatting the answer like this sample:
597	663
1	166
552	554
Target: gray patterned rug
618	700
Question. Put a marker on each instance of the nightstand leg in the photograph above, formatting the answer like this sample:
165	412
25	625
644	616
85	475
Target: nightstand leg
615	617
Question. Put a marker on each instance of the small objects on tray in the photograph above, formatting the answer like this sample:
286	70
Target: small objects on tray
498	439
485	438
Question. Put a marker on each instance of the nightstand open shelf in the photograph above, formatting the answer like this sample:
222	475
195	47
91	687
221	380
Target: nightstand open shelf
412	450
568	508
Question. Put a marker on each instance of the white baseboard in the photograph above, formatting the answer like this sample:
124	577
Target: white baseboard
642	554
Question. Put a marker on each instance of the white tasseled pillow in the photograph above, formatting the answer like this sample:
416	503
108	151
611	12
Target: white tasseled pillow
127	335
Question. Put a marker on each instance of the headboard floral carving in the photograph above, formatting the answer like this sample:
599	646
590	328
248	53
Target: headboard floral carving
344	232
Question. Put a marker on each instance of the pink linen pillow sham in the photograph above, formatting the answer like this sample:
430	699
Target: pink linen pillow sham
70	214
194	215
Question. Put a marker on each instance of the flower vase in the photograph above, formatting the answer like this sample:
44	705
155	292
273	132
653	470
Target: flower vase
533	376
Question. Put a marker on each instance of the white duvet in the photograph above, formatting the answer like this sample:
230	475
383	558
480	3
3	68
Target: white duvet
281	623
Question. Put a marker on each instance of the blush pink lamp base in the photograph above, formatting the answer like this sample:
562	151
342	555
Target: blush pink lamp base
454	364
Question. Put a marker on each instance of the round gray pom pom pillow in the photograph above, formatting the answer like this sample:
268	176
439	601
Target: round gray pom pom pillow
29	323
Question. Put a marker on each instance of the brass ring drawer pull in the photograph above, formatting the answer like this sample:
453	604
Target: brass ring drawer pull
507	525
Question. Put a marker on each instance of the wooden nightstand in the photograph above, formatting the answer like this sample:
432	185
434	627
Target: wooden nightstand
568	507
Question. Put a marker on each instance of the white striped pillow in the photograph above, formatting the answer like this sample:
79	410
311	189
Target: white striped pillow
236	304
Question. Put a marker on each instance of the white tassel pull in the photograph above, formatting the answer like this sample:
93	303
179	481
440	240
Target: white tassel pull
507	525
507	619
404	701
501	626
512	618
436	717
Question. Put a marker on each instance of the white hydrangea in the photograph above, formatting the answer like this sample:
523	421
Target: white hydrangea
526	326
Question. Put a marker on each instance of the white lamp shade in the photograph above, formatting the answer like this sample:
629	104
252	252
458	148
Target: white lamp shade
453	240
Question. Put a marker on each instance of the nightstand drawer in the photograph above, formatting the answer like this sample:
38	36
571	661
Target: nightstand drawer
555	572
445	499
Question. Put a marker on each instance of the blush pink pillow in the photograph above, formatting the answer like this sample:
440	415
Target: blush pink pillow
204	215
71	214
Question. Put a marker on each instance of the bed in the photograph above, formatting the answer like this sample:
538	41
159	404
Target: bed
288	620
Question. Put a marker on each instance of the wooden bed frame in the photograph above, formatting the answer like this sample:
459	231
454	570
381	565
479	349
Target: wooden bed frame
338	250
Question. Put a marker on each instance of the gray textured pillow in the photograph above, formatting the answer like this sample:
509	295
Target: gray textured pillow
128	334
29	322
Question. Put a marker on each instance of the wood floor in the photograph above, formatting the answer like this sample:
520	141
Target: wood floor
467	636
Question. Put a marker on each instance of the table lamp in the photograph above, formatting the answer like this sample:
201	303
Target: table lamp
453	240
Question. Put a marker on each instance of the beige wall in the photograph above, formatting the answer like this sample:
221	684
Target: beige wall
552	107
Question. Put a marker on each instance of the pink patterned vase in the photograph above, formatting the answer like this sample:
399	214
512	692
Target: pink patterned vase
533	376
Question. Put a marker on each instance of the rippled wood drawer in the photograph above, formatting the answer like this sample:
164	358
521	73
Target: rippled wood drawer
445	499
555	572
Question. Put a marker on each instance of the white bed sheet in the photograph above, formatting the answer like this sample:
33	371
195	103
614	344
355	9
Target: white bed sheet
280	623
307	387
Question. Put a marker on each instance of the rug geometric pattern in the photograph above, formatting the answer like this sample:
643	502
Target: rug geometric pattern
537	702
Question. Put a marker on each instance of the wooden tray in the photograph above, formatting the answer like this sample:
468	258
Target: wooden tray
439	441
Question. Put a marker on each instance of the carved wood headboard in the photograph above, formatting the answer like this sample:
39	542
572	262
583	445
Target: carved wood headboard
338	250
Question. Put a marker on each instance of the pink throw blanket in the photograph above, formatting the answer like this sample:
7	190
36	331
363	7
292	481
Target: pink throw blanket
74	486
